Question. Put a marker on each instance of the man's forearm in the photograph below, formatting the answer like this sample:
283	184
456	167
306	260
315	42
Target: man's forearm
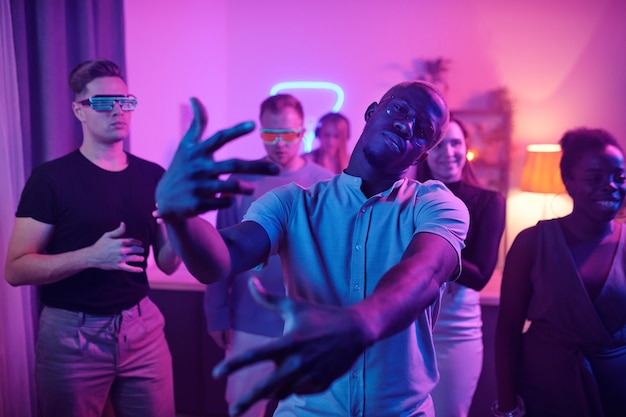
40	269
409	287
398	300
167	260
201	248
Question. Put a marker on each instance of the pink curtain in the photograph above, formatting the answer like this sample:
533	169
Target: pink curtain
16	320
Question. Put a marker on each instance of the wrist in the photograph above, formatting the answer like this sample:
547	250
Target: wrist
518	411
369	334
87	257
174	222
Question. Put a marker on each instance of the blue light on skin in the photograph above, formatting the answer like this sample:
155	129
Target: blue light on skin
309	135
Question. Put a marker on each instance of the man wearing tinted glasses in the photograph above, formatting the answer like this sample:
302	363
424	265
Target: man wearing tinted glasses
364	255
83	232
234	320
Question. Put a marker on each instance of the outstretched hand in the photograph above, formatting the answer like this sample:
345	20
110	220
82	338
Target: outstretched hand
191	184
320	344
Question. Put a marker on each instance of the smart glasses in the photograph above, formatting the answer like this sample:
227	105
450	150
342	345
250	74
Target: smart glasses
107	102
271	136
423	129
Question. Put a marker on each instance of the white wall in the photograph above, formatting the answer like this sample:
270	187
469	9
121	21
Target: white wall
562	61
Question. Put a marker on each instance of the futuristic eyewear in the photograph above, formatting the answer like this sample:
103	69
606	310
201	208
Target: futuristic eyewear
106	102
271	136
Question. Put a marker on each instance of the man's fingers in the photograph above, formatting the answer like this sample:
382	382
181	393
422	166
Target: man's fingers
261	167
269	301
211	169
130	268
220	138
222	190
118	231
133	258
271	351
131	242
132	247
280	304
279	384
198	124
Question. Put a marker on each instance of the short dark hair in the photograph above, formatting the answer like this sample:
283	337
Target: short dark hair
276	103
331	117
577	142
87	71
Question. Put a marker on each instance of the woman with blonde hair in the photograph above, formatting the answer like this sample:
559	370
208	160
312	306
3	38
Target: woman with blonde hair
333	133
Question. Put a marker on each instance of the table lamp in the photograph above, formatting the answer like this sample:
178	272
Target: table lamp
541	173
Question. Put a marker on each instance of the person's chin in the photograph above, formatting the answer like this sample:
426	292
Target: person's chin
117	138
120	132
282	160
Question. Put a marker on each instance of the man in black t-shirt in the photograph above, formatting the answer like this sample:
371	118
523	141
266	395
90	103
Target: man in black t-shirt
82	233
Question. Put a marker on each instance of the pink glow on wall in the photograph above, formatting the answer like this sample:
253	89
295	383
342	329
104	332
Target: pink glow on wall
561	60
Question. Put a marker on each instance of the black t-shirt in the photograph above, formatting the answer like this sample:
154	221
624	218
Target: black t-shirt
83	202
487	219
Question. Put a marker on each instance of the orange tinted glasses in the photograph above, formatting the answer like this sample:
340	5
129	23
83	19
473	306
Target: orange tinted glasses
271	136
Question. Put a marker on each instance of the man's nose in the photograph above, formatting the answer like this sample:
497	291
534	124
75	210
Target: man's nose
117	107
280	142
405	127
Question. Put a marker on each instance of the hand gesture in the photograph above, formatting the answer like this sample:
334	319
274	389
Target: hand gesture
191	184
114	252
320	344
221	338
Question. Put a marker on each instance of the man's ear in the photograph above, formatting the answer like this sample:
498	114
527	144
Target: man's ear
420	159
78	110
370	110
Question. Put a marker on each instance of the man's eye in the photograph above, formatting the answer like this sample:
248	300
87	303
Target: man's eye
427	132
421	142
399	109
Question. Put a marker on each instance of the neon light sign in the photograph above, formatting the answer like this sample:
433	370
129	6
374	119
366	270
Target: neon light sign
322	85
309	136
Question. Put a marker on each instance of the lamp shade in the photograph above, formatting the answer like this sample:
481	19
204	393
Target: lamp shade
541	173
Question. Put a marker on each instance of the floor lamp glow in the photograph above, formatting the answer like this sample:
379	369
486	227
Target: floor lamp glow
541	173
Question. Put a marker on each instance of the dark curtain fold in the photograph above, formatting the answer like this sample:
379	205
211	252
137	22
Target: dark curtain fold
51	37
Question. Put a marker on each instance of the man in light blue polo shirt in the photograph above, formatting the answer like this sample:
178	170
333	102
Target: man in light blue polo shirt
364	257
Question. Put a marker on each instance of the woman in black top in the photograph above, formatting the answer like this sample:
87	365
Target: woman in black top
458	331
